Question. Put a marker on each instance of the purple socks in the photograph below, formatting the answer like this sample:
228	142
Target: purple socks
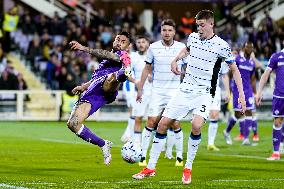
87	135
276	138
232	122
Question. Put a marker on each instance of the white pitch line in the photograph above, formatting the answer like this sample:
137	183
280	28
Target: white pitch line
70	142
252	180
244	156
11	186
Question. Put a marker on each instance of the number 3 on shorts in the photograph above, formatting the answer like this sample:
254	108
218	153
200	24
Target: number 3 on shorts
203	108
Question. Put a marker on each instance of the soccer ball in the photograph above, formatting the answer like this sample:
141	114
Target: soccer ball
131	152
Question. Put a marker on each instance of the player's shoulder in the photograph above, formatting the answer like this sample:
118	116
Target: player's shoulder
194	35
156	44
220	42
278	55
179	44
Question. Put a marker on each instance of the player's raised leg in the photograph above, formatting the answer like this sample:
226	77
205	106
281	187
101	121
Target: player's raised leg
75	124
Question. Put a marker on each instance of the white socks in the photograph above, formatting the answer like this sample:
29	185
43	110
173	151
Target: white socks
170	142
193	143
158	142
146	138
179	142
212	131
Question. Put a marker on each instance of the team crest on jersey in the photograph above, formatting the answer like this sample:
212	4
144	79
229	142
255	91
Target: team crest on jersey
276	112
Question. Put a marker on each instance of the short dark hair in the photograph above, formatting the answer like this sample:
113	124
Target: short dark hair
204	14
142	37
248	43
169	22
126	34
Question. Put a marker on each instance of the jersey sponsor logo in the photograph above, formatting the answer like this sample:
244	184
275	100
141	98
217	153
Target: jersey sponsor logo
243	67
280	63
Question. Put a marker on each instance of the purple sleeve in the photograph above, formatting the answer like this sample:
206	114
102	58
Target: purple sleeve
272	63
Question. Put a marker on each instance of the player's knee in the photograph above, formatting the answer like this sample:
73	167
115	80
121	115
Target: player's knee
196	128
248	113
214	115
175	125
164	125
73	125
238	115
277	123
151	122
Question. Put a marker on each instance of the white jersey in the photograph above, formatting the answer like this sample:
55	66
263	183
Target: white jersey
137	66
160	57
204	64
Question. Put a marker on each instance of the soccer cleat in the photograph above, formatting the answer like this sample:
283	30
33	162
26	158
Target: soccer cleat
239	138
274	156
126	63
142	162
281	148
212	148
255	138
179	162
106	152
246	142
145	173
186	176
227	137
127	71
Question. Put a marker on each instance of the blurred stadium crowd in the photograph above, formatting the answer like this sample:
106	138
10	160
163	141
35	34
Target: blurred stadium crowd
43	41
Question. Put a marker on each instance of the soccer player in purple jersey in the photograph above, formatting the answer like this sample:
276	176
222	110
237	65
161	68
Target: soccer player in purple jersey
247	69
276	64
101	89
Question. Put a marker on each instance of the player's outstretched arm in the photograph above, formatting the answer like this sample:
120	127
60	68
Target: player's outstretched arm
146	71
79	89
238	79
226	82
262	82
99	53
182	54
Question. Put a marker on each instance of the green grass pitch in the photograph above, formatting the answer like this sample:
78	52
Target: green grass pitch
48	155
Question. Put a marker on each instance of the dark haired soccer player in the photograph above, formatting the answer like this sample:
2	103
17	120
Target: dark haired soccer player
101	89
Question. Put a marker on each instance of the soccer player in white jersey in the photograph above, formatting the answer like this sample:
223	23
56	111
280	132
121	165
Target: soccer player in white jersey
207	51
165	83
140	108
216	107
128	89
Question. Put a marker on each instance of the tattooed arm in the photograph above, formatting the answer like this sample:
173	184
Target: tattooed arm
99	53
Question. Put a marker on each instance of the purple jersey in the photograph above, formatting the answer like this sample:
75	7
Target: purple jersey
276	63
247	70
106	67
95	95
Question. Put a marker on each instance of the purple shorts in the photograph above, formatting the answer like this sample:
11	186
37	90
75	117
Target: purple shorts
96	96
250	102
278	107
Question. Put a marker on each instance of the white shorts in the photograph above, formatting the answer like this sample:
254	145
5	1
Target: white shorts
180	105
216	104
158	102
140	109
130	98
